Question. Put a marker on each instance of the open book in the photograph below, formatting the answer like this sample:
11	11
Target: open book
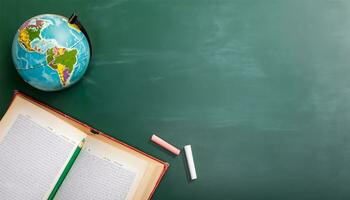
45	154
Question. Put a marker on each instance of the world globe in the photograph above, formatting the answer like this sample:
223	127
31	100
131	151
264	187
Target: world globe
51	52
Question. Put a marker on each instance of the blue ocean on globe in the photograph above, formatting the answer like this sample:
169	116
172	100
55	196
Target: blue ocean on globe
50	53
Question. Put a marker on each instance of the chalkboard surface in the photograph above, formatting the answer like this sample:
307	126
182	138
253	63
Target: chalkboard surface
260	89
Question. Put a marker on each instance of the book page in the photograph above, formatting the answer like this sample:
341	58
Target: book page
35	146
102	172
154	171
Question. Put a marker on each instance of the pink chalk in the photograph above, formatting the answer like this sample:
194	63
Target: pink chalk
165	145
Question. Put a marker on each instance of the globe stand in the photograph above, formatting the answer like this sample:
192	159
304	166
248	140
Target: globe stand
73	19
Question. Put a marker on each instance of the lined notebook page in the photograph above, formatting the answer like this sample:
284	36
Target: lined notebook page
92	177
31	157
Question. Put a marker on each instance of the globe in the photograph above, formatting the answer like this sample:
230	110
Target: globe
50	52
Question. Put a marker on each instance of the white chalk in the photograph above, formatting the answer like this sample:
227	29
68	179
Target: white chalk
190	162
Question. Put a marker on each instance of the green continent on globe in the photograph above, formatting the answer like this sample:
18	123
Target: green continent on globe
62	60
30	32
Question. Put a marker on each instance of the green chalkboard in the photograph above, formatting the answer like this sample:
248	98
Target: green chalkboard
260	89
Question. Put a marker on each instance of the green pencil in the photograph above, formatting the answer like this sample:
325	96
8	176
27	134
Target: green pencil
66	170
